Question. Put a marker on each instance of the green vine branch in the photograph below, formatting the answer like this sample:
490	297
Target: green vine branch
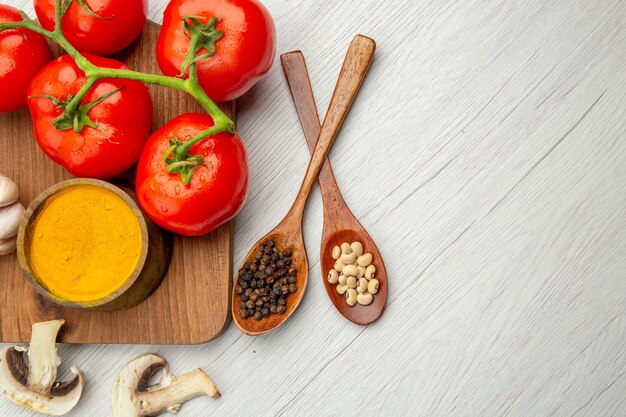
201	35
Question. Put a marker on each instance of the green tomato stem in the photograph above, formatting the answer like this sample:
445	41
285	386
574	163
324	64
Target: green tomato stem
222	123
58	14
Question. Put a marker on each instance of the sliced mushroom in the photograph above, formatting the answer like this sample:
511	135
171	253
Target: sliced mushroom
34	385
133	396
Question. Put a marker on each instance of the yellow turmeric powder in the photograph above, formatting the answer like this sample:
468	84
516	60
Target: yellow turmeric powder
85	243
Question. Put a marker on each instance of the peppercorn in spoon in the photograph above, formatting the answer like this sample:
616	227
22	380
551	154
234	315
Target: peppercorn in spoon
341	228
286	240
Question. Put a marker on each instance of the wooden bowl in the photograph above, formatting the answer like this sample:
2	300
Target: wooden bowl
154	258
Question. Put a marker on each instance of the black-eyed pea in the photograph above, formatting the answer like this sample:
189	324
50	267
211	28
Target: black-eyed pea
350	270
361	273
370	272
357	248
372	286
333	276
336	252
348	258
365	299
342	288
351	297
364	260
342	279
339	265
345	248
351	282
362	286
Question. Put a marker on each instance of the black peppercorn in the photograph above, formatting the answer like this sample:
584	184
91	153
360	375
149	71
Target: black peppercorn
266	282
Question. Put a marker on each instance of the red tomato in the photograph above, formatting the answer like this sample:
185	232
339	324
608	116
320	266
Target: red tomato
22	54
243	55
119	23
217	189
123	120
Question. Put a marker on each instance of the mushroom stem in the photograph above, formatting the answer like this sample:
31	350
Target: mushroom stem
33	385
42	356
182	389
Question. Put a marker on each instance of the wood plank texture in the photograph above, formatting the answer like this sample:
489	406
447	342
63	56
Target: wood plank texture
191	305
486	156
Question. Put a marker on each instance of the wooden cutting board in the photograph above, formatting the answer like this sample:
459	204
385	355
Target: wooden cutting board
192	304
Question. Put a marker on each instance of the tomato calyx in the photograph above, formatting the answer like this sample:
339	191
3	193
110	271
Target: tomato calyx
202	36
76	119
85	6
181	162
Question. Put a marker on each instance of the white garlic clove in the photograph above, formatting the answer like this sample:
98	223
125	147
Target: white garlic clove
10	218
9	193
7	245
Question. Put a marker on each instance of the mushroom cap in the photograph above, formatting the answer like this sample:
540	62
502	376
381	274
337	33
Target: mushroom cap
13	382
133	379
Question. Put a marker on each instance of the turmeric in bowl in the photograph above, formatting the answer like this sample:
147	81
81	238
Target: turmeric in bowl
84	244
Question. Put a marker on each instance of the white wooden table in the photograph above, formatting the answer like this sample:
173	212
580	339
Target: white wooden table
486	154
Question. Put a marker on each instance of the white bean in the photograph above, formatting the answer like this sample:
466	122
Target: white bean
372	286
370	272
357	248
364	260
339	265
341	289
333	276
350	270
361	271
363	286
348	258
345	248
336	252
342	279
351	297
365	299
351	282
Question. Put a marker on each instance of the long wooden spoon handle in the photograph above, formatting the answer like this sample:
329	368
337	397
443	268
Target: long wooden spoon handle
297	75
355	66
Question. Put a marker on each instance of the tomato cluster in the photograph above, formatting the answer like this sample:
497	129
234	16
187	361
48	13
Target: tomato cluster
101	128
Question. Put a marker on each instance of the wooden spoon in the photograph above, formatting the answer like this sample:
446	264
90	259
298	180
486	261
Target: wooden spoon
288	233
340	225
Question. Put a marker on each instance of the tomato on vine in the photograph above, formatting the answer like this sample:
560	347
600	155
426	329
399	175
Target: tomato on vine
101	27
201	192
101	136
22	54
239	38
